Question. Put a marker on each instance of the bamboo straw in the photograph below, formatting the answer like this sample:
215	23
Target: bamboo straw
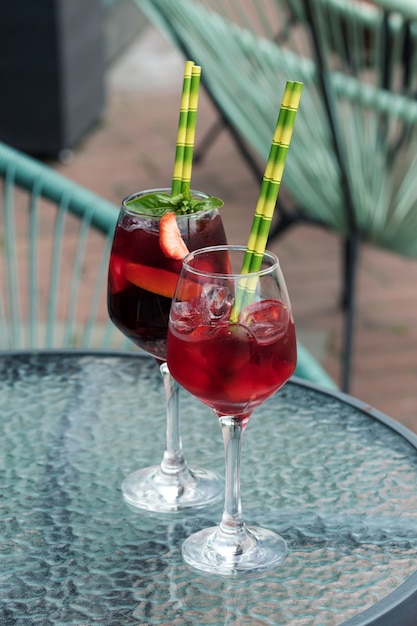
268	193
272	177
182	129
186	129
190	130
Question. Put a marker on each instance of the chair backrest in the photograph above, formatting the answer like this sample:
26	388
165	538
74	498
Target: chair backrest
352	162
372	48
54	249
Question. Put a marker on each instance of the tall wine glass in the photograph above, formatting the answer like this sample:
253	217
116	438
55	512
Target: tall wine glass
141	283
231	343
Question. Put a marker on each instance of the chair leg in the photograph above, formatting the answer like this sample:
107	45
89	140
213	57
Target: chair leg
208	139
285	221
350	267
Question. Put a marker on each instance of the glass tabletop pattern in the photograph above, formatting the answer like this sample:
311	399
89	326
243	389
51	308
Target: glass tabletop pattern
339	485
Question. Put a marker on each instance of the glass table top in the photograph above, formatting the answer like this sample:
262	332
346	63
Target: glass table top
334	477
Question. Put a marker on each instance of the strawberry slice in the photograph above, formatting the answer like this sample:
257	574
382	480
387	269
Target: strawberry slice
155	280
117	279
170	240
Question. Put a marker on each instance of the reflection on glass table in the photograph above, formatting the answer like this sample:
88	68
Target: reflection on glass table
336	479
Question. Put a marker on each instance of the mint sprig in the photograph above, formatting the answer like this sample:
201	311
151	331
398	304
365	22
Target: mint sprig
156	204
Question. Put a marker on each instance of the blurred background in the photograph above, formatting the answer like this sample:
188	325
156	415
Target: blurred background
94	92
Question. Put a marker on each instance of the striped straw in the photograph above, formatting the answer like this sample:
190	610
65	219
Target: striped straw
190	131
272	178
186	129
268	193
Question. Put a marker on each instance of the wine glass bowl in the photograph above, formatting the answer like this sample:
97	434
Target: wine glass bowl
232	367
141	283
232	344
142	279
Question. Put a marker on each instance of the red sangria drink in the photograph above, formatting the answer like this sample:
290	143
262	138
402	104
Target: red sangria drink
232	344
143	274
150	241
259	354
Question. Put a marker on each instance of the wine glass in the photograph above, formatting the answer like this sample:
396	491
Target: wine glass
141	283
231	343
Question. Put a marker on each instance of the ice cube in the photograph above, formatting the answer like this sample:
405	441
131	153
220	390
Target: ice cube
267	320
186	315
217	300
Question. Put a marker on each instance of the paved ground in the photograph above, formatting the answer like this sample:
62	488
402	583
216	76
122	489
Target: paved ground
133	148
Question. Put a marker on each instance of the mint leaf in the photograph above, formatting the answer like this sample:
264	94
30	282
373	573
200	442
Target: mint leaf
152	203
156	204
208	203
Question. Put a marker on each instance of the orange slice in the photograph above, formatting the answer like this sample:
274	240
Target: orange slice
160	281
155	280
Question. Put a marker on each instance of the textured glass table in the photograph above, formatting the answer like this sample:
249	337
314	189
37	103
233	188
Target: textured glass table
337	479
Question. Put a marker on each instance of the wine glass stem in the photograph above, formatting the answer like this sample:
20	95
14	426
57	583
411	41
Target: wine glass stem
232	523
173	460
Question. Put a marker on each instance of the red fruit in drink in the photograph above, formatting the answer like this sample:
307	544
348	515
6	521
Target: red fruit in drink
117	278
170	240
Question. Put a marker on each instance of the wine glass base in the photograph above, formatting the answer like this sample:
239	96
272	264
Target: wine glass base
154	490
265	551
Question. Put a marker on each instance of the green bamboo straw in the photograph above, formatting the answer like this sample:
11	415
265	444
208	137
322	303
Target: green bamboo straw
181	177
182	130
272	177
190	130
268	193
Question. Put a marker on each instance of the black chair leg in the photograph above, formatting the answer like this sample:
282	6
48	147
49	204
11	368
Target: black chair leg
208	139
350	268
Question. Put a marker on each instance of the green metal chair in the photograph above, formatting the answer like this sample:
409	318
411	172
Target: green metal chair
54	249
55	241
352	166
309	368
